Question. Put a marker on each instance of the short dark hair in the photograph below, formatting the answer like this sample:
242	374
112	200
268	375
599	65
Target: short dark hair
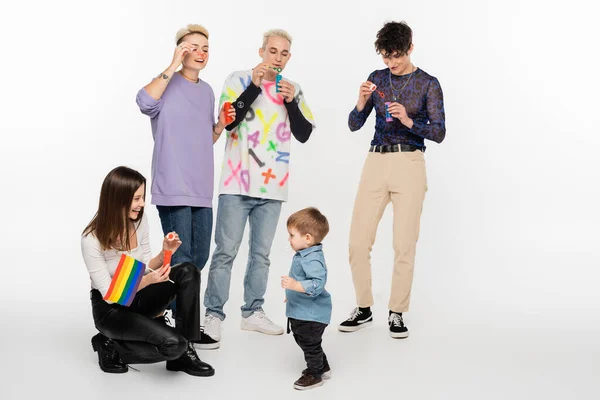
311	221
394	37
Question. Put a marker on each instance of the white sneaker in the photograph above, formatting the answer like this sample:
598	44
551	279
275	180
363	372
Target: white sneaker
212	327
259	322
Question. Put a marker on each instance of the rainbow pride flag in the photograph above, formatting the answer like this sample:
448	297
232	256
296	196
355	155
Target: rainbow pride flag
125	281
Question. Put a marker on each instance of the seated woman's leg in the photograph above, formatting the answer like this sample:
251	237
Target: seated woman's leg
153	299
138	338
187	291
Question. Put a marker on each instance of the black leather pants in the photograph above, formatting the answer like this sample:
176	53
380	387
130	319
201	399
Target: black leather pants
139	336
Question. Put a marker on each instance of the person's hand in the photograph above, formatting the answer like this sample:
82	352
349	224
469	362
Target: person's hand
289	283
365	92
227	117
159	275
398	111
171	242
258	73
181	50
285	300
287	90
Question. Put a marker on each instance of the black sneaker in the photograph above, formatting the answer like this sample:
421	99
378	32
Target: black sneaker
206	342
108	358
190	363
164	319
358	320
397	328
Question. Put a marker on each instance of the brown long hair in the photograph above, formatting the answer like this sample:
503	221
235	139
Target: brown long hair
110	224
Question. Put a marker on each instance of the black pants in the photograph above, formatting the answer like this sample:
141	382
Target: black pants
138	335
308	335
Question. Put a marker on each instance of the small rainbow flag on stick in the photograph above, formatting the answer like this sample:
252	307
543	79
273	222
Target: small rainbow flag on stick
125	281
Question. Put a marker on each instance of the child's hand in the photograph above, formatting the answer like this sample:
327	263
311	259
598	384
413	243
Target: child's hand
285	300
291	283
287	282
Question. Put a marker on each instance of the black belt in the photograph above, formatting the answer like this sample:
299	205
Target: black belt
395	148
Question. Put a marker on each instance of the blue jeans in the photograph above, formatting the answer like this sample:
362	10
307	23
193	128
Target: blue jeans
232	214
194	227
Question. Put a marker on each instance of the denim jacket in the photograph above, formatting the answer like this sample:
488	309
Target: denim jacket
308	268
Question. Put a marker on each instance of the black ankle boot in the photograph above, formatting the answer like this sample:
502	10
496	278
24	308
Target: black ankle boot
190	363
108	358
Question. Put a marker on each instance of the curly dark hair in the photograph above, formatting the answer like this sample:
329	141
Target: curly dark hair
394	37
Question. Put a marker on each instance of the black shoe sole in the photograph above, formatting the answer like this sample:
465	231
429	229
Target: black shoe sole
207	346
191	372
105	369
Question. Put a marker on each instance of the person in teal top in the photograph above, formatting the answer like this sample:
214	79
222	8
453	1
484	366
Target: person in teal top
308	305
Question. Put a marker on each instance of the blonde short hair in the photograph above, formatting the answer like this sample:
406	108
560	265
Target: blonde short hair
191	28
277	33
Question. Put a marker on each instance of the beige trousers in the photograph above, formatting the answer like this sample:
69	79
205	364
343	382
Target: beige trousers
400	178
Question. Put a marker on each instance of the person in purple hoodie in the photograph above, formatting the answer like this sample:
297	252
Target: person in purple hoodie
181	110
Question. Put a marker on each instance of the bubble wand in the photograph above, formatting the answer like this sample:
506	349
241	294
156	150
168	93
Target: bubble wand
277	78
167	255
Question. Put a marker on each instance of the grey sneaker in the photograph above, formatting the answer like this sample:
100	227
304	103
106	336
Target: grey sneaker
212	327
259	322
